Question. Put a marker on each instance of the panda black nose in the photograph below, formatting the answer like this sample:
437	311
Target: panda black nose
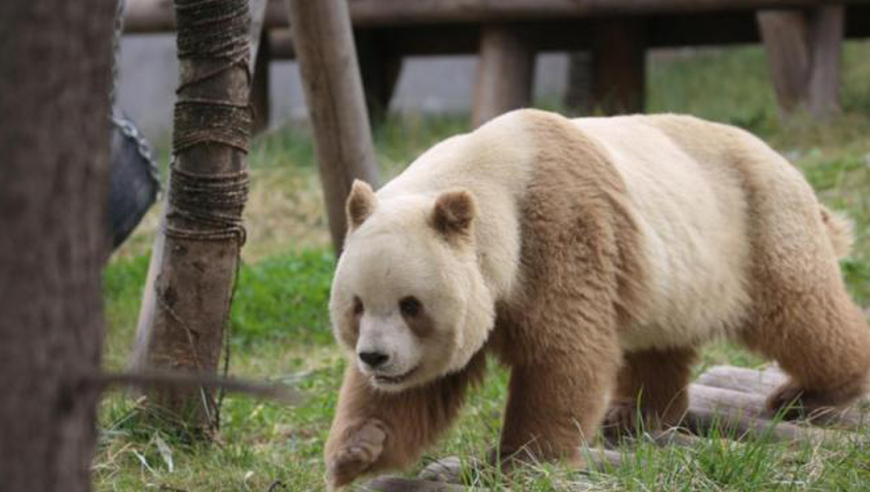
374	359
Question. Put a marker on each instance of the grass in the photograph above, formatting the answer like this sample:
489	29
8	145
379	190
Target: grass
280	328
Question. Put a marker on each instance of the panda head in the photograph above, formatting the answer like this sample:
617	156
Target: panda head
408	299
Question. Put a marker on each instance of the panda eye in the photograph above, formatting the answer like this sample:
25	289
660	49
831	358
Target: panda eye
357	306
410	306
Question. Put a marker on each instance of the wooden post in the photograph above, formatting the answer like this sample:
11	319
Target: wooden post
380	68
183	327
826	38
803	52
504	73
784	33
327	59
618	66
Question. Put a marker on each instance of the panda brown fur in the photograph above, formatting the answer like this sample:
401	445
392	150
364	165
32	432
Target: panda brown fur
593	257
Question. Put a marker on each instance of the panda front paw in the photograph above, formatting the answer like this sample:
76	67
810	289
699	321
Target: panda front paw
355	456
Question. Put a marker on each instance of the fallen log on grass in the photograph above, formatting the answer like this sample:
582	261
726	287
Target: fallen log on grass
740	389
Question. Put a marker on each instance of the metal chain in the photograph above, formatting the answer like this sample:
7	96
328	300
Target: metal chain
116	117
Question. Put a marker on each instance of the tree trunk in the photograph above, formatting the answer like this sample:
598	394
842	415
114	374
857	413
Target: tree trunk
54	141
192	292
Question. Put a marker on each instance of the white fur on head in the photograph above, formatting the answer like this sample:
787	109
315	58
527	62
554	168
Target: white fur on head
397	253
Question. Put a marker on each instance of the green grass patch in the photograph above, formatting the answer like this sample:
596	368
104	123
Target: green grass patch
284	298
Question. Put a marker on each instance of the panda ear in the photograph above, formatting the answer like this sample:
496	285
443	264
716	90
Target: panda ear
454	213
360	204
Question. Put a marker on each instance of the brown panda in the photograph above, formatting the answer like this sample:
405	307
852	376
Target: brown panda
593	257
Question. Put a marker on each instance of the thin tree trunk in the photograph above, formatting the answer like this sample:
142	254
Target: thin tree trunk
193	273
54	142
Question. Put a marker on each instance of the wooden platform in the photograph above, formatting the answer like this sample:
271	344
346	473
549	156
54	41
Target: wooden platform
730	399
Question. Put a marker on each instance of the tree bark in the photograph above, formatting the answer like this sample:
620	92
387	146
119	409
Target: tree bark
187	300
54	140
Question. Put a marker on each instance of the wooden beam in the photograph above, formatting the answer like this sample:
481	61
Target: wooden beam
403	12
618	66
156	15
504	73
331	81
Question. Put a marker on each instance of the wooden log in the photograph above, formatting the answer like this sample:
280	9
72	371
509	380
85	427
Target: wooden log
145	16
784	33
403	12
398	484
156	15
572	34
759	382
743	415
826	38
447	470
504	73
618	66
764	382
336	105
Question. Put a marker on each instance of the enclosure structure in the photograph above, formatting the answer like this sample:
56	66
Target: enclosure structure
802	38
